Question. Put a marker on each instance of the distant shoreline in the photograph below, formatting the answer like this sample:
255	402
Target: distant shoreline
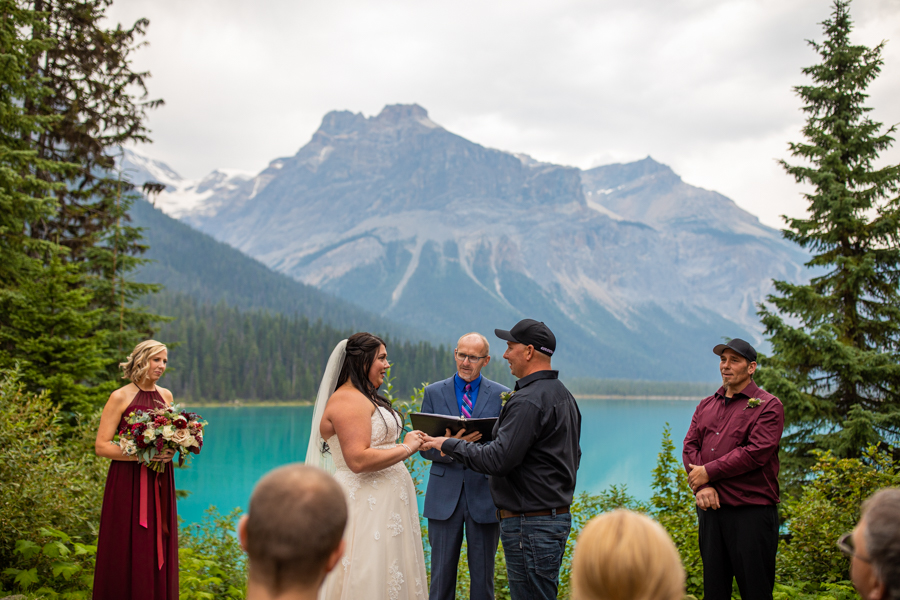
605	397
278	403
246	404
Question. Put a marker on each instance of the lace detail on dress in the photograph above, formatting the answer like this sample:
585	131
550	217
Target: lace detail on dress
371	502
395	581
395	524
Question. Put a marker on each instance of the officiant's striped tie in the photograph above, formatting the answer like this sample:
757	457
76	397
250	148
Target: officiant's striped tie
467	402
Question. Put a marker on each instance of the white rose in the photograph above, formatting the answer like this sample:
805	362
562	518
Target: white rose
168	432
149	434
183	438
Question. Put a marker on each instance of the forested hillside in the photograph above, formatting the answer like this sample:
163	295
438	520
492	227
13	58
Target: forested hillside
190	262
221	353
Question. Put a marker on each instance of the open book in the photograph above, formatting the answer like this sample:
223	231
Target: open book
436	425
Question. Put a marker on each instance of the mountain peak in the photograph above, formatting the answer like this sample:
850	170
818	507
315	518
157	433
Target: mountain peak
615	175
340	122
392	116
404	114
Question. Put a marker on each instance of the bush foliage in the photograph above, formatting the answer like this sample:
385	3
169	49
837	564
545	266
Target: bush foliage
47	479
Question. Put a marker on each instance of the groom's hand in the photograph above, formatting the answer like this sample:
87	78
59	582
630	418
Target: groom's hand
434	443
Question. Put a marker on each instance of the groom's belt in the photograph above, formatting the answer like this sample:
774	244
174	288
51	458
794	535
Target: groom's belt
508	514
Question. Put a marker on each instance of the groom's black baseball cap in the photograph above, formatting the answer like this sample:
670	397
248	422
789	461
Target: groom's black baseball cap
531	333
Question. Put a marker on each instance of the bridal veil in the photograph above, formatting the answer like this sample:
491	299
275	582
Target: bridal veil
314	455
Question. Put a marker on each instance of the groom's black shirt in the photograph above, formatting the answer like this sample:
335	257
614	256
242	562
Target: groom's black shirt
535	453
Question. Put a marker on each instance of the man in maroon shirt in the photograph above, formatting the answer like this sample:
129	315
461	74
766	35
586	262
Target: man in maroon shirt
731	456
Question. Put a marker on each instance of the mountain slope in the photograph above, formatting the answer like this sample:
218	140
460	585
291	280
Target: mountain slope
190	262
638	273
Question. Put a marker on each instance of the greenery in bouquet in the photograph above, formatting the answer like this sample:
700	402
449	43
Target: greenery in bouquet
149	433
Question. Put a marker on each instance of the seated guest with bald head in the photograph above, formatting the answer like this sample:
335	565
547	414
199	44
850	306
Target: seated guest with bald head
292	533
874	547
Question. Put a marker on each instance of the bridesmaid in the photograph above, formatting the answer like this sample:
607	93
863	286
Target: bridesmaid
137	551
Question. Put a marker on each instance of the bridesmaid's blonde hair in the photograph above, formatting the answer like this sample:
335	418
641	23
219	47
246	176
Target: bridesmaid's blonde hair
137	364
623	555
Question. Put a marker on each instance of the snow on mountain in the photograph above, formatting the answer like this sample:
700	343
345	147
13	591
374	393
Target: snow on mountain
181	196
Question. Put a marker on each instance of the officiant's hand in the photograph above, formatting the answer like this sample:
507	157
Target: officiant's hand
472	437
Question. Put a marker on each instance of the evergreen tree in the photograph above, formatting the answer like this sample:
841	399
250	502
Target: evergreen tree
68	100
835	340
56	335
24	198
46	325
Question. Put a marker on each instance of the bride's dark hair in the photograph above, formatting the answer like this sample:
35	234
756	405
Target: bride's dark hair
362	348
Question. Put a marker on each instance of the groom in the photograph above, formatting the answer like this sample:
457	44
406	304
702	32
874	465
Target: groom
458	498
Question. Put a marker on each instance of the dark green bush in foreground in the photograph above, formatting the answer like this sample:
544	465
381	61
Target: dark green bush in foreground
47	479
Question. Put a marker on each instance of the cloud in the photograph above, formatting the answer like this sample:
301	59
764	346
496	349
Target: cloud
702	85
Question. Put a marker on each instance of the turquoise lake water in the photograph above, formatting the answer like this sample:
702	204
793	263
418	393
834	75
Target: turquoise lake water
620	440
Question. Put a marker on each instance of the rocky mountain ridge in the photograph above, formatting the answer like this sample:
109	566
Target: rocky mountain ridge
638	273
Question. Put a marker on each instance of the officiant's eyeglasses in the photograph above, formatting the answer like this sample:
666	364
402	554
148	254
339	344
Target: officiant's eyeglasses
468	357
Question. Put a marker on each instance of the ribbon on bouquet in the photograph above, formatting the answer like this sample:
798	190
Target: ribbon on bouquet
162	525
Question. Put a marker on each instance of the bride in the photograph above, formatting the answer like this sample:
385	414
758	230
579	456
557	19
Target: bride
354	433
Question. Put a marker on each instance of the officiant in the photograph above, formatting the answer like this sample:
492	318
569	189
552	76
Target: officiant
458	499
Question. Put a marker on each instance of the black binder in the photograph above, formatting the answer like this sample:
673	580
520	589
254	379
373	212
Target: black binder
436	425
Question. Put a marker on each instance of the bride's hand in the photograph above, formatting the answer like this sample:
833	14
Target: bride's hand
413	439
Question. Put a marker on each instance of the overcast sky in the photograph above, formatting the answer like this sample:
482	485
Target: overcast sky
704	86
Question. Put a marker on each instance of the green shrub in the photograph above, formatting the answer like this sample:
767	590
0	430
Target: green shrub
827	507
806	590
211	561
674	507
52	565
48	479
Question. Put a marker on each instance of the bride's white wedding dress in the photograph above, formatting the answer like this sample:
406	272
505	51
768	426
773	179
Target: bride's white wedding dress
383	555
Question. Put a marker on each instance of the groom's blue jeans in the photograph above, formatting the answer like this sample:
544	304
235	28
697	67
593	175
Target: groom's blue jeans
534	548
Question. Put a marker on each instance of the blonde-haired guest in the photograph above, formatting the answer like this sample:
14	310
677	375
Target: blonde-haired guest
137	550
623	555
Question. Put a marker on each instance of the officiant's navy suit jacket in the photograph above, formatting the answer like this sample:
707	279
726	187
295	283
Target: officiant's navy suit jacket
448	476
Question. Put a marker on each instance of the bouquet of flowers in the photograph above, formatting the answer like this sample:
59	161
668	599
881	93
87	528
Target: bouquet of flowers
148	433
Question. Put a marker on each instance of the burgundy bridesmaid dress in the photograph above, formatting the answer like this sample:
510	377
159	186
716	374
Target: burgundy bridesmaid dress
137	552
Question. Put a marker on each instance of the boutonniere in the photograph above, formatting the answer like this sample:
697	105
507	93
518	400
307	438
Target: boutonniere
753	403
505	396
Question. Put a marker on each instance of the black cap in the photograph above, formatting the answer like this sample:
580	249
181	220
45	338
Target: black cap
739	346
531	333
